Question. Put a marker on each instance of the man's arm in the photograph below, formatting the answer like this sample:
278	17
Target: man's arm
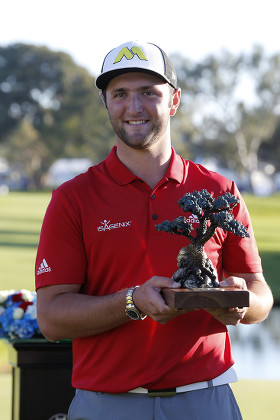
261	299
63	312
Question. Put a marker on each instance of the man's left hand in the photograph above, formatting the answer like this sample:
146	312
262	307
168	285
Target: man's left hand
230	316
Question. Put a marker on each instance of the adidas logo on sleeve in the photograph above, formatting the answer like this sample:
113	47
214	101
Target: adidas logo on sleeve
44	268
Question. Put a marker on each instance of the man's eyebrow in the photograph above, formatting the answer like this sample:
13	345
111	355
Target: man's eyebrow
121	89
140	88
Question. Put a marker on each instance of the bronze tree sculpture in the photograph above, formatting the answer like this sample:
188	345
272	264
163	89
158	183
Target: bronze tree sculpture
195	269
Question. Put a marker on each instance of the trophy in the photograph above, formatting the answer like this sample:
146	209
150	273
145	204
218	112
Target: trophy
196	273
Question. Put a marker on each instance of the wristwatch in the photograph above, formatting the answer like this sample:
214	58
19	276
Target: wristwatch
131	310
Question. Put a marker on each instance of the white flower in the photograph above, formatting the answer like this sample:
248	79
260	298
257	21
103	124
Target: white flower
18	313
26	295
4	295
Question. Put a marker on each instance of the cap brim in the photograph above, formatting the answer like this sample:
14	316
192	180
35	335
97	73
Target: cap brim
103	79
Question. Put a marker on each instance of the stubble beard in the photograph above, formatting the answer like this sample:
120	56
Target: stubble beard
140	141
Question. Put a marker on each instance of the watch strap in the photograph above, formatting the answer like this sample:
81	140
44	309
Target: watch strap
130	309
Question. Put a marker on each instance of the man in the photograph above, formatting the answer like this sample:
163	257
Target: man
133	356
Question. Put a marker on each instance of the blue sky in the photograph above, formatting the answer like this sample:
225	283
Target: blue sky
88	29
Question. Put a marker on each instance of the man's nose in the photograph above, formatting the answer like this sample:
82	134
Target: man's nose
135	105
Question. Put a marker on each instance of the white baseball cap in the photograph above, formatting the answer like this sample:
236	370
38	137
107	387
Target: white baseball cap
136	56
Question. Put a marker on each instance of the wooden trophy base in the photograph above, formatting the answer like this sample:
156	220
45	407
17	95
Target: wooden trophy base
229	297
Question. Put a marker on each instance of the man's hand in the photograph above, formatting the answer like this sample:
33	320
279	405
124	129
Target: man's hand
230	316
150	302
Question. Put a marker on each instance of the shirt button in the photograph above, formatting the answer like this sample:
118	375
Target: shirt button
153	196
155	216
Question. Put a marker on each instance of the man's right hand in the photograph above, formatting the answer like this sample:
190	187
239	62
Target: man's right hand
150	302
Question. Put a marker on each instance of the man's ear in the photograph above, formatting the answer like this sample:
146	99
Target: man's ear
175	101
103	97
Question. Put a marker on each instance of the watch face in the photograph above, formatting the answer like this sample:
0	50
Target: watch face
133	314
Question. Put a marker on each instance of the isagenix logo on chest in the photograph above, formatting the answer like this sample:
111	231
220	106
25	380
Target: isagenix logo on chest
107	225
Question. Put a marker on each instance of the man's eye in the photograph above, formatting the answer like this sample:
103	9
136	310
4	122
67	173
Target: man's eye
149	93
119	95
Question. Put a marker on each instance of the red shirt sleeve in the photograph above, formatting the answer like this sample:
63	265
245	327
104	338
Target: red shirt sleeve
61	248
240	255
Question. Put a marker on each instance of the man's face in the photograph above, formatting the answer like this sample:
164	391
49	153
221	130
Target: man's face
139	107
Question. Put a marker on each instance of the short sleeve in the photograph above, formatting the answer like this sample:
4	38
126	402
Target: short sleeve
241	255
61	257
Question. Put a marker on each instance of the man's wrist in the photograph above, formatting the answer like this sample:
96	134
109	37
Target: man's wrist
131	309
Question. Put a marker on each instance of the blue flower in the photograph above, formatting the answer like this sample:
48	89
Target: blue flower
18	315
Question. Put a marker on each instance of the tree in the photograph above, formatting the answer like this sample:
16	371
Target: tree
26	150
51	93
270	150
234	105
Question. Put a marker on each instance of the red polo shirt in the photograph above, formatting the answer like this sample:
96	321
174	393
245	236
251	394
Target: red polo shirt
99	231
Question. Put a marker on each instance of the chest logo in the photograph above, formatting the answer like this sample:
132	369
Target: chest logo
106	225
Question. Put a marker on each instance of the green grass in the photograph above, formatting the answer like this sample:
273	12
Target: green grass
258	400
265	212
21	216
266	221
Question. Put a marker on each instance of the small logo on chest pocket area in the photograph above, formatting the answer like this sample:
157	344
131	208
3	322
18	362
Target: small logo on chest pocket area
107	225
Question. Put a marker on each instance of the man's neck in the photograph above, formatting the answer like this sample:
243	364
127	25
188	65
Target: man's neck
149	165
